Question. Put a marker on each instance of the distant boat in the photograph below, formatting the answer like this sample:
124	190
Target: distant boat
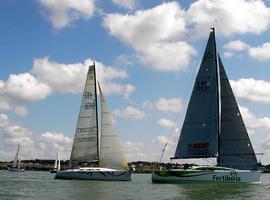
89	147
57	166
213	127
16	165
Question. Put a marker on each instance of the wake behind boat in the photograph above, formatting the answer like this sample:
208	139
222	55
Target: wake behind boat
16	165
88	146
213	127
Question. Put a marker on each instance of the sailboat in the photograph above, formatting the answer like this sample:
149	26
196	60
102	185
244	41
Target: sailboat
91	149
57	165
213	127
16	165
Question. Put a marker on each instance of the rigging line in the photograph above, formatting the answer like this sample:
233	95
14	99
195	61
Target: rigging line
191	80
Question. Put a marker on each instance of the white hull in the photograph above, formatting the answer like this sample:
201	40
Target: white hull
13	169
101	174
193	175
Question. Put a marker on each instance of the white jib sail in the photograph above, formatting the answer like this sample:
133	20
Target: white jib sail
85	144
111	155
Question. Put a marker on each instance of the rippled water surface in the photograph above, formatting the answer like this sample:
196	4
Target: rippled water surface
41	185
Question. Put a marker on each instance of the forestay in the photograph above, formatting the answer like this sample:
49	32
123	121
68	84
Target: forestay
85	144
111	155
198	138
236	150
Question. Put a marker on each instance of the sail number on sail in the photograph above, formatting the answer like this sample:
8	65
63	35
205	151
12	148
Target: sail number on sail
198	148
202	86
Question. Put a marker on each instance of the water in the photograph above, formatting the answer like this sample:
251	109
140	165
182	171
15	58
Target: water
41	185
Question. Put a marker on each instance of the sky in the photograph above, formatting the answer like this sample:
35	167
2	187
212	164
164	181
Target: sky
147	54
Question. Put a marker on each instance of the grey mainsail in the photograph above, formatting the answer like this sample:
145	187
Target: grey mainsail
198	138
85	143
235	149
111	155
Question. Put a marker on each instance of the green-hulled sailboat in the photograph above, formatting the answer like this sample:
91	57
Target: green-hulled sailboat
213	127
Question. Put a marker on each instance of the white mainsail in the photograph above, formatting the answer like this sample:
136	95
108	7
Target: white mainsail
85	144
111	155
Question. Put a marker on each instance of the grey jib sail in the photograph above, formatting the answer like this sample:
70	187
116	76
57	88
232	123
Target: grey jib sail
85	144
236	150
198	138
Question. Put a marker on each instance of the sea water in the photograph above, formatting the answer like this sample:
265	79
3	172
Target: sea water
42	185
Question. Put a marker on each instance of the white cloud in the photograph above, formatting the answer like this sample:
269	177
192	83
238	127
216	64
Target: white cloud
134	151
114	88
166	123
251	89
169	105
48	76
123	60
63	13
261	52
128	4
71	77
148	104
161	139
236	45
228	54
254	123
170	142
129	112
232	16
3	120
154	34
24	88
21	111
32	145
266	143
48	143
167	56
55	137
15	134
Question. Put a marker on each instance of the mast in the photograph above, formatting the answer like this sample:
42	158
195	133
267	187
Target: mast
95	80
218	96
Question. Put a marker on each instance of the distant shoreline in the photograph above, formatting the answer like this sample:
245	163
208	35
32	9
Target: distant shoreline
138	166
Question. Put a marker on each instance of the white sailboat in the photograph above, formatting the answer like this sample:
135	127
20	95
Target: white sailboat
213	127
57	163
88	146
16	165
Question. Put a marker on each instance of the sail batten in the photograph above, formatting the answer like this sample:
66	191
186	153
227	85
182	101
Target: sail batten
236	150
85	143
198	138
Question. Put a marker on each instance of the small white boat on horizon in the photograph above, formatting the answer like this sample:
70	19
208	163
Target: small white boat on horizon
57	164
16	165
